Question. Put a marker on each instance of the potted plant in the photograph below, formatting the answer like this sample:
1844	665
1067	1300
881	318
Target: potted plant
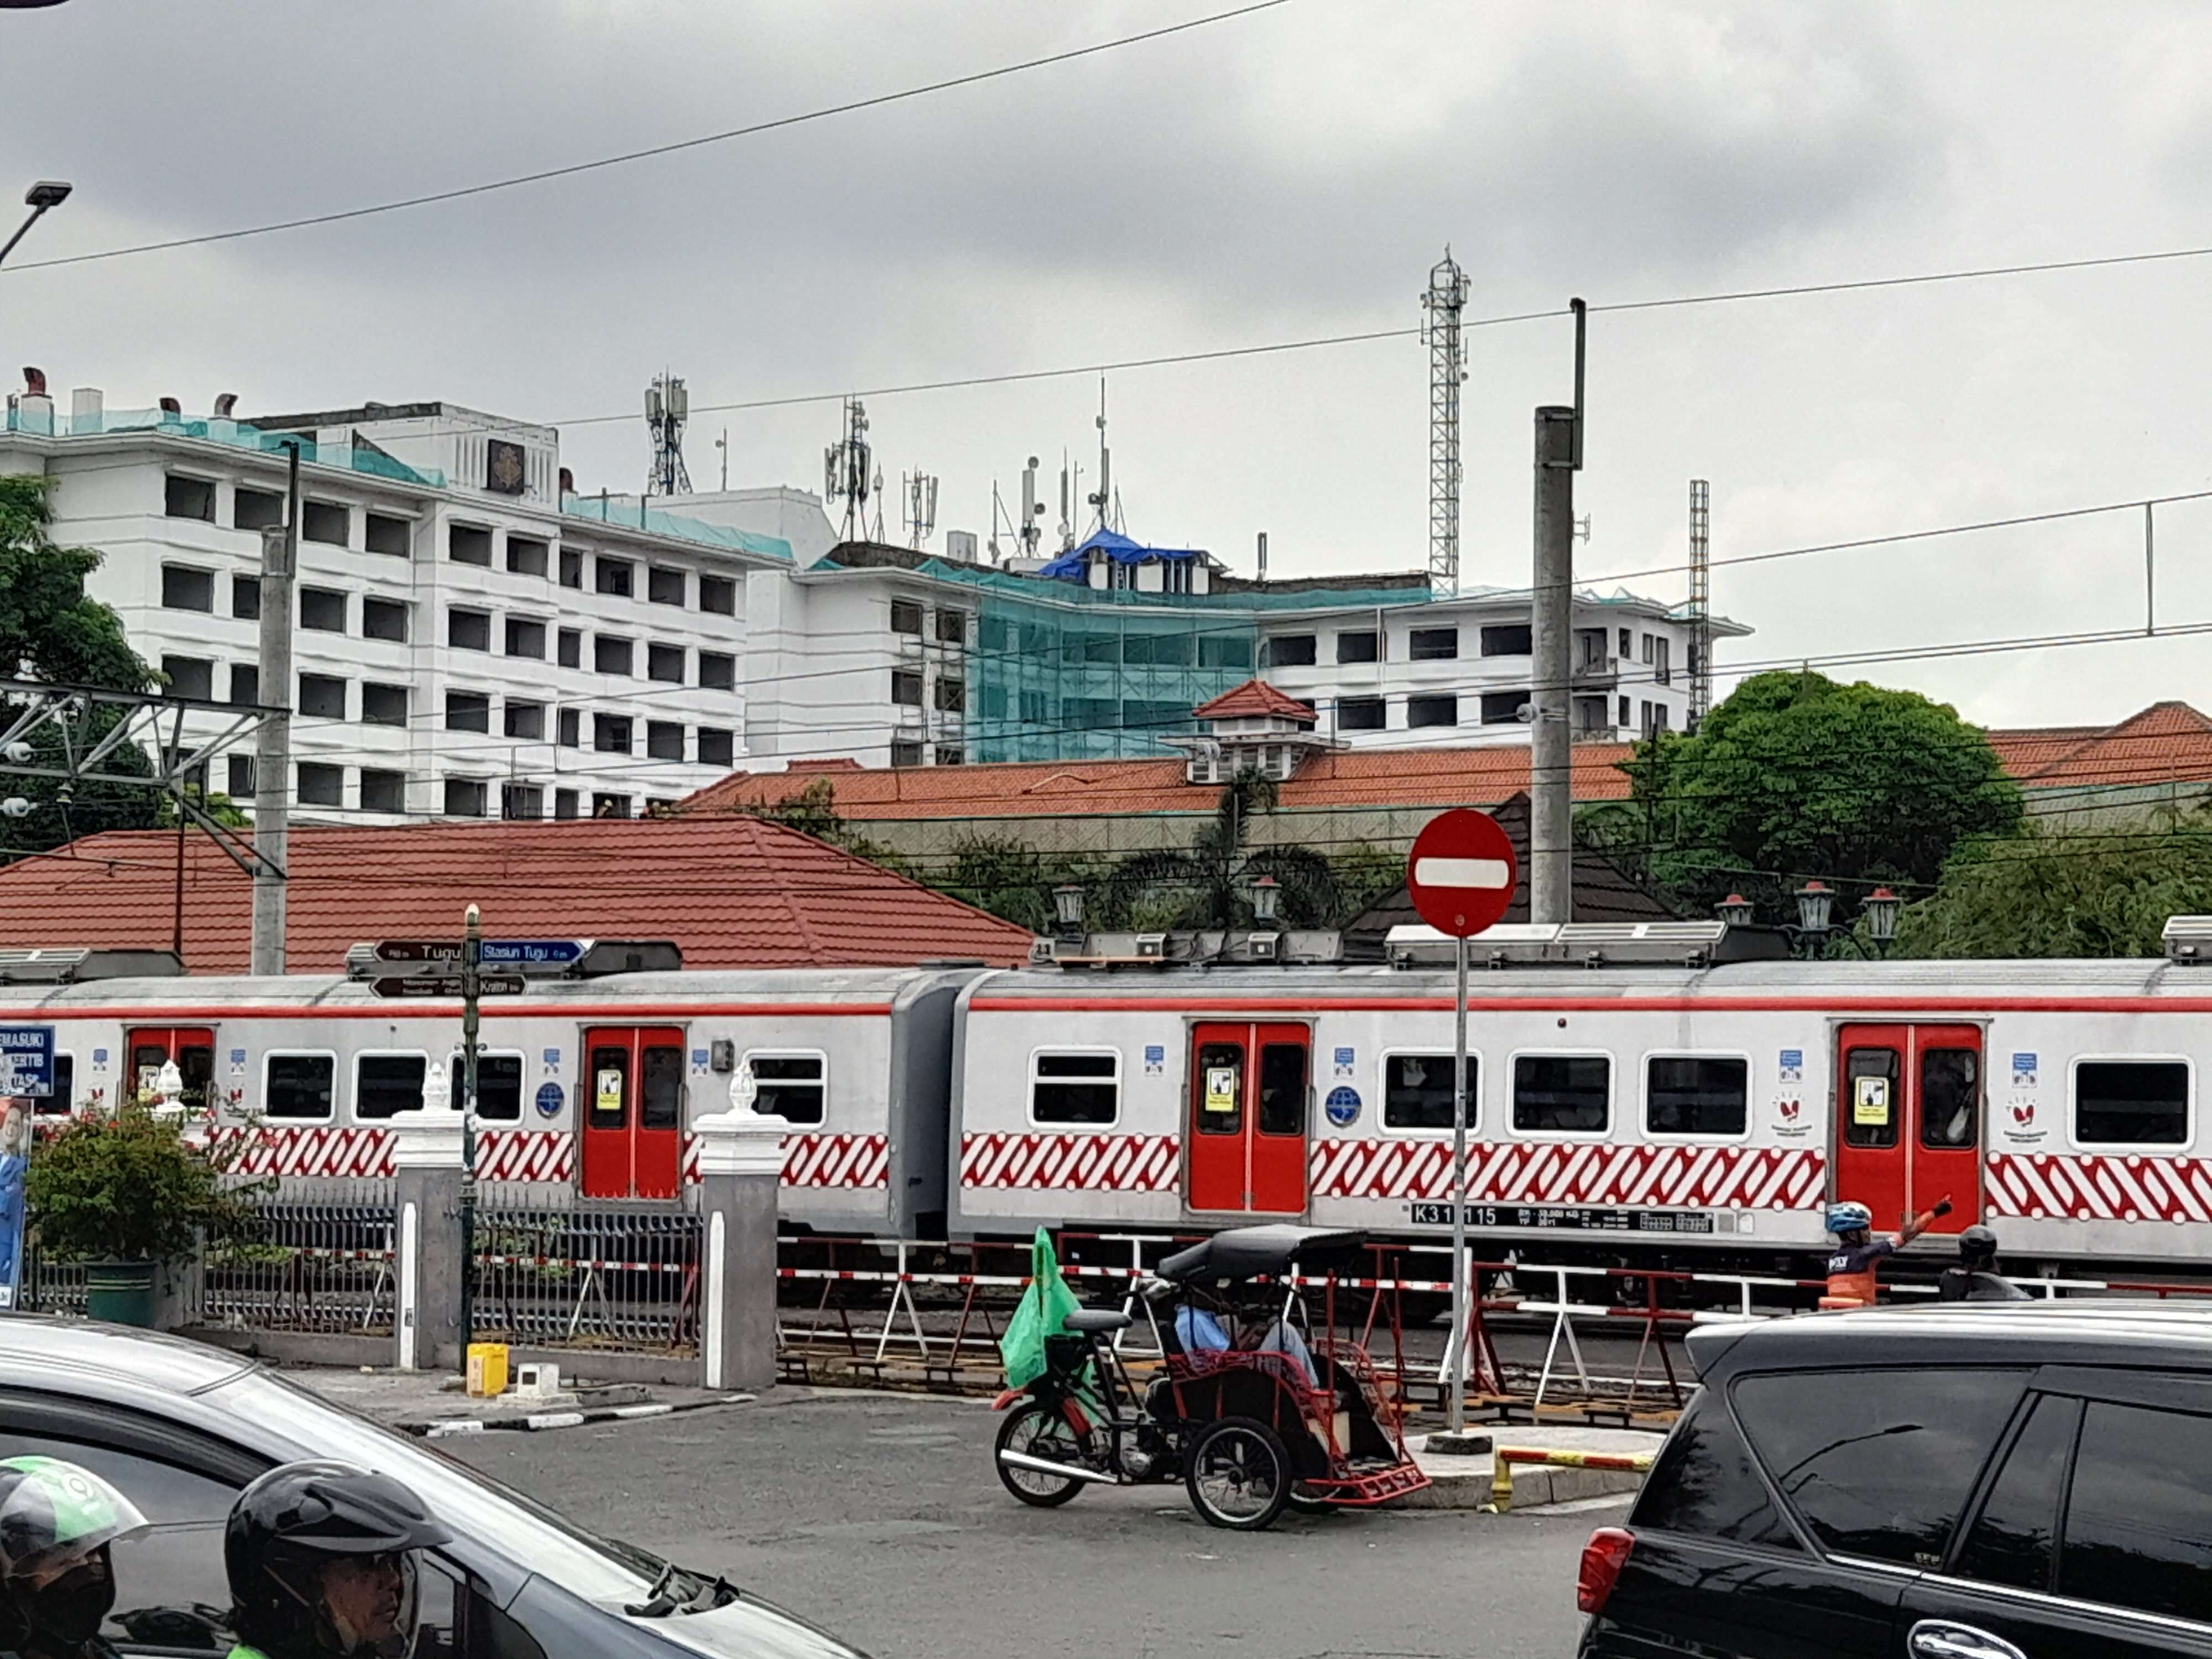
124	1192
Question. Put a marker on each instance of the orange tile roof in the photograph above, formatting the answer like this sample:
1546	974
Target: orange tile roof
731	893
1255	697
1367	777
2166	742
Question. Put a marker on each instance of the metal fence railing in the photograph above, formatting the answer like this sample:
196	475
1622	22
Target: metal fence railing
609	1280
52	1286
328	1267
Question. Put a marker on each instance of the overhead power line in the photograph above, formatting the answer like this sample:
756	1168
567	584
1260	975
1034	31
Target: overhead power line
1277	347
541	176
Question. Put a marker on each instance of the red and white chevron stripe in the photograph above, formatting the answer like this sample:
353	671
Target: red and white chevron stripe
836	1161
526	1155
1702	1177
2128	1187
1078	1162
268	1149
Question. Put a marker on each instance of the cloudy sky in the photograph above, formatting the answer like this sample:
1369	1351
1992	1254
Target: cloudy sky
1285	175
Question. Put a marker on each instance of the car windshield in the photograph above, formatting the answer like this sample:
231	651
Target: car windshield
473	1504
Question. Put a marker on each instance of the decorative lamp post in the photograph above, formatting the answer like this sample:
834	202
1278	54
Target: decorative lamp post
1067	902
1814	901
1734	911
1881	909
1266	898
169	1086
437	1093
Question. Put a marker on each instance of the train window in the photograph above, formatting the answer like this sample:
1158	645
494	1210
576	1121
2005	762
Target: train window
1950	1097
1078	1088
384	1084
57	1104
1283	1089
1872	1107
2132	1102
794	1087
1563	1094
1696	1094
298	1085
499	1085
1416	1091
661	1068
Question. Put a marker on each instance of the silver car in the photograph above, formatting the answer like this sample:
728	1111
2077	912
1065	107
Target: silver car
180	1428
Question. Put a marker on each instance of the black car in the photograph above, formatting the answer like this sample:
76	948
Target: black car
1968	1482
180	1429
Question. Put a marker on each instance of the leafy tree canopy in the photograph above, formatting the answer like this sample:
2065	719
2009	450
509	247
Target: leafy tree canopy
1797	777
51	631
2074	894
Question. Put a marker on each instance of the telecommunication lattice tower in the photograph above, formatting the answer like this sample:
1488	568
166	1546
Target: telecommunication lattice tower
1445	302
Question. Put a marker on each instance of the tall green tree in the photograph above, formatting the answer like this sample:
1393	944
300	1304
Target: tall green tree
51	631
1797	777
2073	894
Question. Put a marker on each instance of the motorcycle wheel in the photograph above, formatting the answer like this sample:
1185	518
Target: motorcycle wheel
1239	1475
1041	1433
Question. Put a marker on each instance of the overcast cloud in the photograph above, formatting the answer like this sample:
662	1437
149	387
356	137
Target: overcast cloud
1289	175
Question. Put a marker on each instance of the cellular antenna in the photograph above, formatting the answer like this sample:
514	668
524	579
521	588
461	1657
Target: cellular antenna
847	470
1445	302
920	507
1032	510
667	406
1102	497
1701	602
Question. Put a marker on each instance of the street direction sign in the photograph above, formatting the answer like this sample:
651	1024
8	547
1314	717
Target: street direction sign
26	1060
446	985
521	955
1462	872
528	953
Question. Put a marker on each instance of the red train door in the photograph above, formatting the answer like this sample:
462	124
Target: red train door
1909	1121
632	1116
152	1046
1246	1144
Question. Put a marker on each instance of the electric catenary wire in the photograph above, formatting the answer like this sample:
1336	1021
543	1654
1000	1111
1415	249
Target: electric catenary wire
571	170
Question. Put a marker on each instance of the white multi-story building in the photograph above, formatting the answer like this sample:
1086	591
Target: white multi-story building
472	639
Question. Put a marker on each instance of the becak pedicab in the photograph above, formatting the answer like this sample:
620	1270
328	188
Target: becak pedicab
1248	1411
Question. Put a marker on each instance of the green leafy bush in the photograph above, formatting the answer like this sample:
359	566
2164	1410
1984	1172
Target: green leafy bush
126	1187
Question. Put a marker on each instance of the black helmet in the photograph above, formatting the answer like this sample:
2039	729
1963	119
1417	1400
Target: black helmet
1978	1248
288	1530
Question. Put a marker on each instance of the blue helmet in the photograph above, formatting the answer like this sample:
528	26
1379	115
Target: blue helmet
1849	1218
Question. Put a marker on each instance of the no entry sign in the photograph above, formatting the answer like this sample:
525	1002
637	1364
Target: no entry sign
1462	872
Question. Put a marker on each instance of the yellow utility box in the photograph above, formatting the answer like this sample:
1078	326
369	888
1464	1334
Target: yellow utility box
487	1369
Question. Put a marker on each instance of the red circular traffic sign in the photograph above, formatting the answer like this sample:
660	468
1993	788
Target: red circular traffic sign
1462	872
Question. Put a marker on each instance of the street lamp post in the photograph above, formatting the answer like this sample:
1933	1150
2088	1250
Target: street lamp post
1067	906
42	198
1266	899
1815	923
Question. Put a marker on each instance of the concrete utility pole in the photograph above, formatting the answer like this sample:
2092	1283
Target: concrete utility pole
1551	757
272	754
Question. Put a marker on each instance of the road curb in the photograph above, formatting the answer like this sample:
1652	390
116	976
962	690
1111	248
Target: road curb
538	1422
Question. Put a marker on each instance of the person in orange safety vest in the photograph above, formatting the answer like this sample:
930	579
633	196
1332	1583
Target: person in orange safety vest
1853	1265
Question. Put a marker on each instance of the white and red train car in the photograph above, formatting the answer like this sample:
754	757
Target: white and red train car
1684	1111
1630	1111
585	1085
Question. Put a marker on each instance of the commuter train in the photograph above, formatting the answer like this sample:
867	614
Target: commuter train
1683	1106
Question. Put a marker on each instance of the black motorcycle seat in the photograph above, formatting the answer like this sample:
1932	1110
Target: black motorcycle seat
1097	1319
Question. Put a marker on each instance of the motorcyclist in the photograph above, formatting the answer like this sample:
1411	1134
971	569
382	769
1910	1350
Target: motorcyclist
323	1558
1975	1279
56	1521
1852	1267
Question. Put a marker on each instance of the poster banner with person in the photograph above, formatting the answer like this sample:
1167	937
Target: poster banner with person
14	1160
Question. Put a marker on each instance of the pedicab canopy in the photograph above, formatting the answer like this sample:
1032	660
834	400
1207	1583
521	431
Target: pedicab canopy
1263	1252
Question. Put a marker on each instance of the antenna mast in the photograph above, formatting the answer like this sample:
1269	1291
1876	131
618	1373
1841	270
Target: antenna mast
1104	498
1445	302
1701	602
920	507
667	406
846	475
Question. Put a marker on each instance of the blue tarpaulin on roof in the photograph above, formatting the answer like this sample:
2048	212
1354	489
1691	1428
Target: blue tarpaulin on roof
1072	565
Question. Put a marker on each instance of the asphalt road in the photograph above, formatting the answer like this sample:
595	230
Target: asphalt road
880	1517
